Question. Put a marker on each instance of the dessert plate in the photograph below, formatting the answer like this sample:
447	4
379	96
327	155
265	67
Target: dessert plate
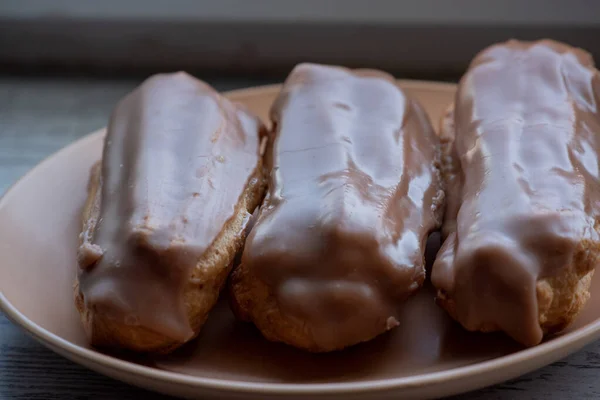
427	356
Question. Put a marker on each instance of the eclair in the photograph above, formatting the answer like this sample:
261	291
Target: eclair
521	169
354	191
181	173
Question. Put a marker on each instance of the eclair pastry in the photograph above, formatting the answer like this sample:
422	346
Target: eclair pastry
523	192
354	191
180	174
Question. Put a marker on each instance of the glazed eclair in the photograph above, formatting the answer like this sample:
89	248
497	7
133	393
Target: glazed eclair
523	191
354	191
181	172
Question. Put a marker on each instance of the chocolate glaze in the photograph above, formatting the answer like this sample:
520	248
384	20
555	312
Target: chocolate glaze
353	194
177	157
523	183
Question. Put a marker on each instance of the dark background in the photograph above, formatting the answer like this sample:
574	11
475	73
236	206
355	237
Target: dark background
426	39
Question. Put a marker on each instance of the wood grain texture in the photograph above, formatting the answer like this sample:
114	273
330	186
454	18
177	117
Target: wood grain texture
39	116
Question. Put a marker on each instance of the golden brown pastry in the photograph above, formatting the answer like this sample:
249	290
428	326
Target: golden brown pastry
521	166
354	191
181	172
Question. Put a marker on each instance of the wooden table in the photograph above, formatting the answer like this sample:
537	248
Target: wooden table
39	116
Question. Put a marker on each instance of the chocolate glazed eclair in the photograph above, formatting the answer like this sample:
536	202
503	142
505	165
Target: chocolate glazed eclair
521	165
354	192
180	174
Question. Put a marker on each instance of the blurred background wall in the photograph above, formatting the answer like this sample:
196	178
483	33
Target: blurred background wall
431	39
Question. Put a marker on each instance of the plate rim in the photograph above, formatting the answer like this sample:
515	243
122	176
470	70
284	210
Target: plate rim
562	345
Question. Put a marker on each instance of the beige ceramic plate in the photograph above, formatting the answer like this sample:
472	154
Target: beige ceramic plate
427	356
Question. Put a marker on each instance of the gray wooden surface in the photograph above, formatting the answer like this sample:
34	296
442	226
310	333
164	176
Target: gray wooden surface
37	117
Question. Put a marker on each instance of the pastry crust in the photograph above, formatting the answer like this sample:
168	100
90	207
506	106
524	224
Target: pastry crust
560	298
250	293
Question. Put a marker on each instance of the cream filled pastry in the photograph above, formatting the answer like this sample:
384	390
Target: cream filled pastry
180	174
523	192
354	192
